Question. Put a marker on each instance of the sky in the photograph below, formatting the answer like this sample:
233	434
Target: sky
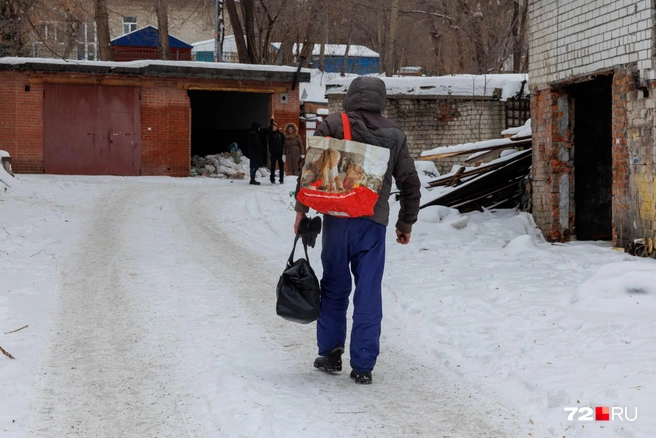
150	306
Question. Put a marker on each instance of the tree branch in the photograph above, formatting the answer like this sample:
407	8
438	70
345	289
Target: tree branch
433	14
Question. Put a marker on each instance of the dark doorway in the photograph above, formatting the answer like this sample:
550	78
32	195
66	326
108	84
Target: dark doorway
593	159
219	118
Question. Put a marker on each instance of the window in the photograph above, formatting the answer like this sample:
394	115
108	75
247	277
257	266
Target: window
129	24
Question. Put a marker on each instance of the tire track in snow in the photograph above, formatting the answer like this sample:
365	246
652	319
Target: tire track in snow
102	378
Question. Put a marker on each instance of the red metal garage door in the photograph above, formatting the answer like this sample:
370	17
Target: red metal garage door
92	130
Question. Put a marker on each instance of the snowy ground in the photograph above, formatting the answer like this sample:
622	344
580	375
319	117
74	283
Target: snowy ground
150	305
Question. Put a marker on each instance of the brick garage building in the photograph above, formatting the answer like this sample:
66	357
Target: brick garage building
135	118
593	107
445	110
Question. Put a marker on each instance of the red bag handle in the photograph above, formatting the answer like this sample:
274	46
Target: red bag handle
347	127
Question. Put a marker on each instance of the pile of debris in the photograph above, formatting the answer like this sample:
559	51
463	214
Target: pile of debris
502	183
230	165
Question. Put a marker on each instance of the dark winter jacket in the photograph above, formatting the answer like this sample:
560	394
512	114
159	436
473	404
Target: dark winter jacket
262	133
364	103
254	149
276	141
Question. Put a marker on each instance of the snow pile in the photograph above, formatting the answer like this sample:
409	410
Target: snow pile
231	165
6	180
619	287
439	214
427	171
519	131
315	90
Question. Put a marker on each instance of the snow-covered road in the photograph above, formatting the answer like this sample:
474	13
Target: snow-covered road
150	305
163	326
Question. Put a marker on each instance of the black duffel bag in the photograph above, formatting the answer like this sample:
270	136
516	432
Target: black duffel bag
298	292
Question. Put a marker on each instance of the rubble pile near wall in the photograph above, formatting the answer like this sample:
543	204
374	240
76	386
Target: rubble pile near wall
231	165
501	183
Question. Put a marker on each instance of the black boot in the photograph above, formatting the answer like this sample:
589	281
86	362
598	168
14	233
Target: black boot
362	377
255	183
330	363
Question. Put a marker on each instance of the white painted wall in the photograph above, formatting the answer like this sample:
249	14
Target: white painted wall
569	38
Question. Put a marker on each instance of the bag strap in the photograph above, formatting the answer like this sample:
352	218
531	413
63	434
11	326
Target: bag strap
347	127
291	256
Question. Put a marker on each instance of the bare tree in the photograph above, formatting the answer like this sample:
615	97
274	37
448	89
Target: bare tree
219	32
346	51
161	9
381	37
235	20
391	40
12	29
105	52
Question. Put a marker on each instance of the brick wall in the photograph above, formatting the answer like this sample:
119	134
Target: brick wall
596	36
552	164
434	122
576	37
634	168
288	111
165	115
165	131
21	122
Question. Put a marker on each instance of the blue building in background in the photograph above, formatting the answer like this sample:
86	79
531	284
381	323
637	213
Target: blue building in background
361	60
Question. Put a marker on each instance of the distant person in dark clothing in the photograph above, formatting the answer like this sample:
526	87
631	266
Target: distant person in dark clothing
276	142
254	150
262	133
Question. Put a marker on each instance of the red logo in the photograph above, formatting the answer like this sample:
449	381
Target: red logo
602	413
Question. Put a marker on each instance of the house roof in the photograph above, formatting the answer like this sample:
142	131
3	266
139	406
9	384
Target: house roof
147	37
229	45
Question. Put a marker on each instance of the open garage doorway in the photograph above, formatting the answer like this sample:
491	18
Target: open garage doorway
593	158
220	118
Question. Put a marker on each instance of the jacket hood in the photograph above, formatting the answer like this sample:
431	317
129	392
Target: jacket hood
366	93
255	126
294	134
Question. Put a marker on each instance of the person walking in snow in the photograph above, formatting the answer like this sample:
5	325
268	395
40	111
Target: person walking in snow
254	151
293	150
360	242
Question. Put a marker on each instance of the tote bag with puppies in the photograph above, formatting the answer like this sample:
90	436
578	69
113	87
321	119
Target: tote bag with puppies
342	177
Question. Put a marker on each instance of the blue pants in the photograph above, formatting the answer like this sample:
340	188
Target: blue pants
359	242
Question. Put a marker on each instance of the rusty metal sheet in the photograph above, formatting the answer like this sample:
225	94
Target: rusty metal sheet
91	130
